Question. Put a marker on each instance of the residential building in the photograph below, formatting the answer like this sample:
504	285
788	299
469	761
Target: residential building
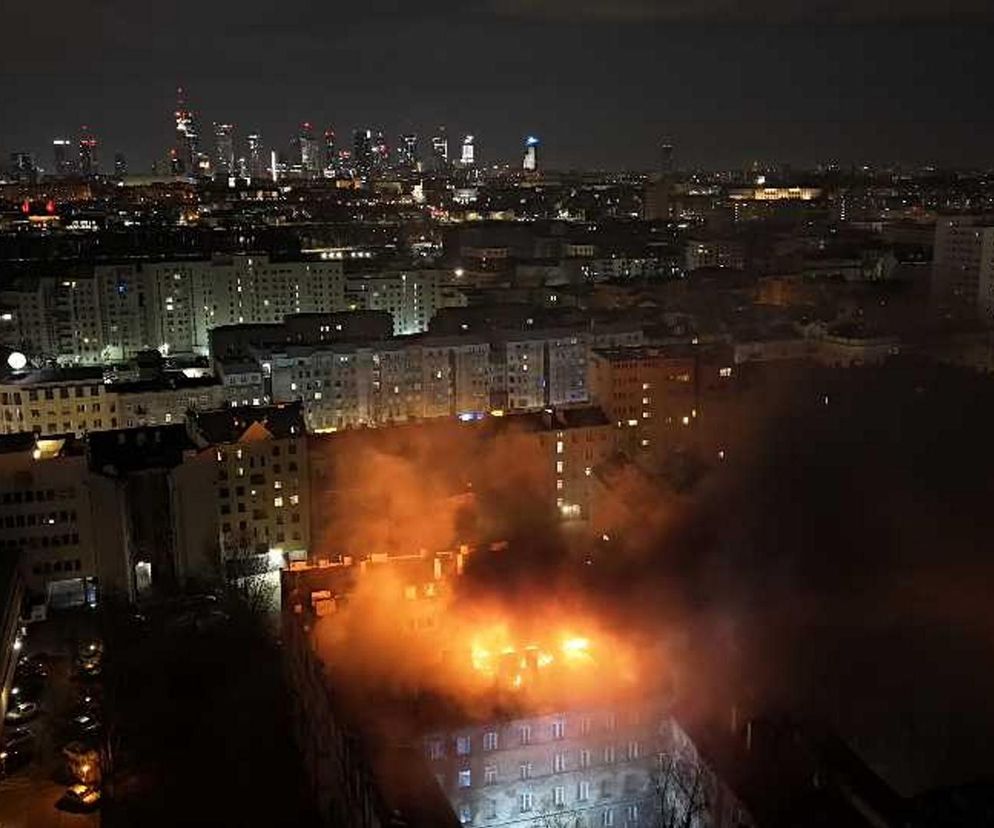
963	266
258	457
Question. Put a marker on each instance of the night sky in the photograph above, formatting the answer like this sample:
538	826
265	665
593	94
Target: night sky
599	80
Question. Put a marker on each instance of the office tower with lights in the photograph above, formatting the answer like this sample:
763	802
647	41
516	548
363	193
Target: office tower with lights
362	151
309	152
88	162
407	152
62	155
224	149
330	159
381	153
468	157
440	150
256	159
120	165
530	161
185	157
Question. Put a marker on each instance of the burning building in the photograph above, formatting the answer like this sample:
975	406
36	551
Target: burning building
424	701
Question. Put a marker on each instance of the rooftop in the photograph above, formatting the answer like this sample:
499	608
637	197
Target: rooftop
239	424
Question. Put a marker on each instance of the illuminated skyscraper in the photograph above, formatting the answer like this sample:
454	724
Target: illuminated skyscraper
440	150
468	157
330	157
224	149
407	152
120	165
256	161
381	154
61	152
186	158
310	155
362	151
88	162
530	162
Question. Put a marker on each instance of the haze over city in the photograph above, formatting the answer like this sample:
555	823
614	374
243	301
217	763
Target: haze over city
510	414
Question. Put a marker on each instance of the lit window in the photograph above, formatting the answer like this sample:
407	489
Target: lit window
559	447
585	758
436	749
278	502
559	796
490	740
525	770
559	467
559	763
463	745
724	372
294	499
490	775
525	732
465	779
583	790
559	484
632	752
559	729
525	800
277	484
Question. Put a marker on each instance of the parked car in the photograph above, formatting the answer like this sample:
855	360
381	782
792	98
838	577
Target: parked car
80	797
16	749
21	711
86	724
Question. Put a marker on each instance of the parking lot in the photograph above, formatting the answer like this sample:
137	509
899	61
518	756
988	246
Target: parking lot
31	792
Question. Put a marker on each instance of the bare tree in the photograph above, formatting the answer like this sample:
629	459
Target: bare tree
553	816
682	791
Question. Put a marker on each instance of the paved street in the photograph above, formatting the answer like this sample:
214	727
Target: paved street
29	795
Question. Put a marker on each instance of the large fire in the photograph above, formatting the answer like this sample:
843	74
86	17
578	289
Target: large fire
528	652
495	655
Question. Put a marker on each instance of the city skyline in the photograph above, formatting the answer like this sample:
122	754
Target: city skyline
599	86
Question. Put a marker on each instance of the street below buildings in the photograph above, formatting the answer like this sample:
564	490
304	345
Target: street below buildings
30	794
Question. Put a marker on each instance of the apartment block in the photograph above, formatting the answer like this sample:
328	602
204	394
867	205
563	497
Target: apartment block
258	460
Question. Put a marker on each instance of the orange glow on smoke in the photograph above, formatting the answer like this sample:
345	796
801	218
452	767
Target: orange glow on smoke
475	651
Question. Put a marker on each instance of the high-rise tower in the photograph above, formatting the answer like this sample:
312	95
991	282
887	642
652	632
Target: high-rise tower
88	162
468	157
256	161
186	156
530	161
407	152
224	149
62	155
440	150
310	156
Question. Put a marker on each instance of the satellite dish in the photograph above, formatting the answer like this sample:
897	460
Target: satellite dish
17	360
